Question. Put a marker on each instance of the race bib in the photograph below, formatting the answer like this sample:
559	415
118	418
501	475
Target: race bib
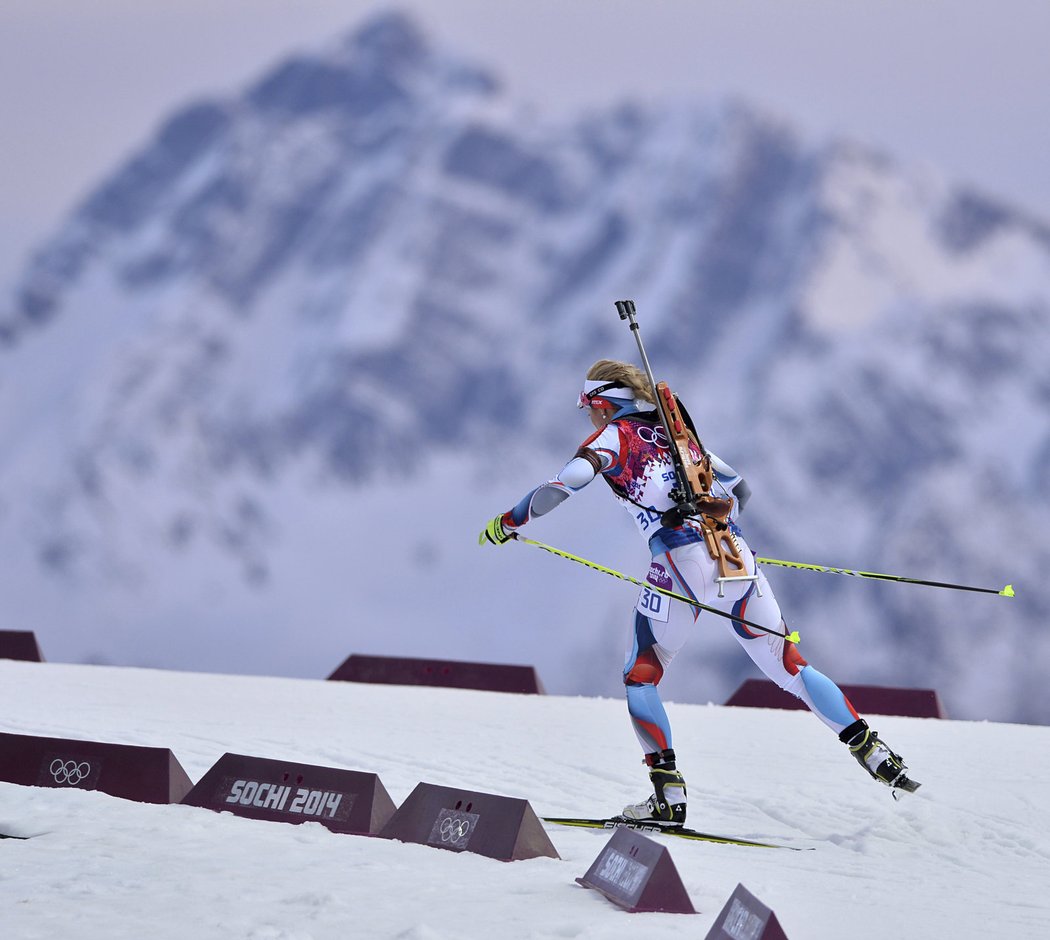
653	604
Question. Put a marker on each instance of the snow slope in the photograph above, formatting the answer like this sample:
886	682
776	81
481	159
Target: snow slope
966	857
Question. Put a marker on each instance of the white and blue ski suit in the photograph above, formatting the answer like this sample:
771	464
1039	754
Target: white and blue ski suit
632	453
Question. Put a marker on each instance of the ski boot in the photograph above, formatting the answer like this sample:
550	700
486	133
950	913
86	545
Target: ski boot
666	807
876	758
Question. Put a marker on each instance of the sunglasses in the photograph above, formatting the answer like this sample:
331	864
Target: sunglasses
593	399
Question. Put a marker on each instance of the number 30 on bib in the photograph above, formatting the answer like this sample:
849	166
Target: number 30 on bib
653	605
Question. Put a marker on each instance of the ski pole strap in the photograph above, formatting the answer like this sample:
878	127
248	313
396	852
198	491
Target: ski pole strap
791	637
1007	591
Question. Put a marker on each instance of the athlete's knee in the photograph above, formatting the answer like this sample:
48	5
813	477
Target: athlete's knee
647	670
793	661
785	671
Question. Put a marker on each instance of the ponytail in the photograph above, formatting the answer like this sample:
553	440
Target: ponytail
630	376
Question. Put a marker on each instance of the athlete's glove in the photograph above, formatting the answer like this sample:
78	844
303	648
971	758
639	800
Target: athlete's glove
494	532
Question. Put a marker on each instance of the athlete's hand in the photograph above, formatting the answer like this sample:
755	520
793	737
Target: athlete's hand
494	532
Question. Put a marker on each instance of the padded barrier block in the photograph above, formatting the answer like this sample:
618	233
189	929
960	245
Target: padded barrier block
867	699
282	791
487	677
498	827
744	917
20	644
143	774
637	874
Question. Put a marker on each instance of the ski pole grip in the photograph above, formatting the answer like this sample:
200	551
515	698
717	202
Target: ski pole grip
625	308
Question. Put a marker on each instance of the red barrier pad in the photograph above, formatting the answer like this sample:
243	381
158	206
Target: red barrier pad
498	827
20	644
637	874
144	774
746	916
281	791
488	677
867	699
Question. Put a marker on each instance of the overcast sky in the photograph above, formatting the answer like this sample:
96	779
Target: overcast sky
962	84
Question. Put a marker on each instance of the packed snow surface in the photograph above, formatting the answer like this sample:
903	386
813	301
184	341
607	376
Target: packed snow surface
968	856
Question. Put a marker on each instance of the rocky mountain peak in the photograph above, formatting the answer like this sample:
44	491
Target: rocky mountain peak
312	333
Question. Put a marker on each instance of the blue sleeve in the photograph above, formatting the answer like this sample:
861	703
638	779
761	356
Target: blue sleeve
596	455
574	476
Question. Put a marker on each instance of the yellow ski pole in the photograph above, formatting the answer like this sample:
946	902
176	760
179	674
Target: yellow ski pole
792	637
1007	591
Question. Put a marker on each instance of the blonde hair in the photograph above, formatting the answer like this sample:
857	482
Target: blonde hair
630	376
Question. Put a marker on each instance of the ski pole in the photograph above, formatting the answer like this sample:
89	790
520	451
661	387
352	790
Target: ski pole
1007	591
792	637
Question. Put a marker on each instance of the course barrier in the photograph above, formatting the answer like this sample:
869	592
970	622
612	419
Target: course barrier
498	827
744	916
867	699
281	791
486	677
638	874
20	644
143	774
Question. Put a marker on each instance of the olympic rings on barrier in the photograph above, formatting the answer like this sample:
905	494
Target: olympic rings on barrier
455	829
69	772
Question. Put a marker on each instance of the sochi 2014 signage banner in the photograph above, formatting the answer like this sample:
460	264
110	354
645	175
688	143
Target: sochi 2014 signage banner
281	791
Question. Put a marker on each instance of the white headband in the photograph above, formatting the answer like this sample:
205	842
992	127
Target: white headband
616	391
603	389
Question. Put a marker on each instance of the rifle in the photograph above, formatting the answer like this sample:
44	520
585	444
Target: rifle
691	493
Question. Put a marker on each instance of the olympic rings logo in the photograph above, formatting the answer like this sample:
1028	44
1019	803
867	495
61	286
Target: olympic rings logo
455	829
69	772
655	435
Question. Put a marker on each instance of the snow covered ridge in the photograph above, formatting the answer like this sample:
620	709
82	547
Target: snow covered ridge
261	391
119	869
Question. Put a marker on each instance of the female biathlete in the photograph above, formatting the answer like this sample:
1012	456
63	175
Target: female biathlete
630	450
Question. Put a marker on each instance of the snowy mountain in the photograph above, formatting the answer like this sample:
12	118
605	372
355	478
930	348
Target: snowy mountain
263	389
967	850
